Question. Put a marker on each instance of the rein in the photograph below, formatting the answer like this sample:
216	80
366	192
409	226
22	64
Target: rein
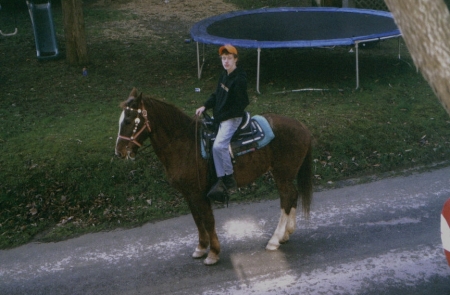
197	153
136	133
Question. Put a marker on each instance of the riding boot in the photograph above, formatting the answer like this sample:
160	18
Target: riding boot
218	192
230	183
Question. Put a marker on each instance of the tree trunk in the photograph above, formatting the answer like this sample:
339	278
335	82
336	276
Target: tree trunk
425	28
76	47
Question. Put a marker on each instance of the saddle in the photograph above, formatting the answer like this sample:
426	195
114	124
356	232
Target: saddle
252	134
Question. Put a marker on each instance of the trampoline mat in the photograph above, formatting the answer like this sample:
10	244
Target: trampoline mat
301	25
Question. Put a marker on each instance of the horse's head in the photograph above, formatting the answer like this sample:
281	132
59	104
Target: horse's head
134	126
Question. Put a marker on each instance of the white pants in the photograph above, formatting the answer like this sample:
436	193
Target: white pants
221	154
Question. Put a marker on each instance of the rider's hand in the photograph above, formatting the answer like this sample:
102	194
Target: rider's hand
199	111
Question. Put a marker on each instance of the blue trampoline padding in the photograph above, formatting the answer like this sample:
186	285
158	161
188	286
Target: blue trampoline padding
290	27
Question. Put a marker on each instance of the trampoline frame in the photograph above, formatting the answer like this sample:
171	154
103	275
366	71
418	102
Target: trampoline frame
200	35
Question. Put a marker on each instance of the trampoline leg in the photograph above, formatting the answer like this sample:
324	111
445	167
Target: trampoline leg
257	70
198	63
357	65
200	67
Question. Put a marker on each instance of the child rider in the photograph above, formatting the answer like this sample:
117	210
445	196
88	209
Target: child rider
228	103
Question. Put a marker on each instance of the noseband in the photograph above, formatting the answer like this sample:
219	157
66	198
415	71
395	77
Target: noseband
136	133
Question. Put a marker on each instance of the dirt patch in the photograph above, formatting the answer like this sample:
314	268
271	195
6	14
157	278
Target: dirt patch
184	10
155	17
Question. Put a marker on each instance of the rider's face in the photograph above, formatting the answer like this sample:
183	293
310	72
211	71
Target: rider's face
229	62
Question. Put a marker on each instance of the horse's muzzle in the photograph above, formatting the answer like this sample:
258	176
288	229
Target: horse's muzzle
119	154
129	155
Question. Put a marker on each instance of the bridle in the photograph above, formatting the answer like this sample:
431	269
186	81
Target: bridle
137	121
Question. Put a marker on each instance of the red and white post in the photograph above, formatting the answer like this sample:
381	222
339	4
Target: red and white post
445	229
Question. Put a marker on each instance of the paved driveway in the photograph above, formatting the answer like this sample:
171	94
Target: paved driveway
376	238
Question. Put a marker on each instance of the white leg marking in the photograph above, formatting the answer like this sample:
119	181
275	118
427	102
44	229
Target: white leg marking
211	259
290	226
199	252
279	233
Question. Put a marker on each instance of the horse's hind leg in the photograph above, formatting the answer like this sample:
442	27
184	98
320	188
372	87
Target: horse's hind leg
291	225
287	222
286	226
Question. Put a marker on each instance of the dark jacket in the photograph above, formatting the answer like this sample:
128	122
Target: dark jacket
230	99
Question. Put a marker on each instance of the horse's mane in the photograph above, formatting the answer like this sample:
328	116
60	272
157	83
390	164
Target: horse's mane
169	116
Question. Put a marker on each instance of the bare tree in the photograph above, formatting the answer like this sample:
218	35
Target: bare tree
425	26
76	46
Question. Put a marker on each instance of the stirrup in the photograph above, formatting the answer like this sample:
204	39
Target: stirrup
222	198
219	193
230	184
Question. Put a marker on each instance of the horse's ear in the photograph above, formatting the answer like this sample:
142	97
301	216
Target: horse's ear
132	101
133	93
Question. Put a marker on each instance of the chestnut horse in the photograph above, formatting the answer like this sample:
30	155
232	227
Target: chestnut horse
174	138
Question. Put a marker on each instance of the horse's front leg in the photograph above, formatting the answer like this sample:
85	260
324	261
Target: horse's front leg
204	219
203	237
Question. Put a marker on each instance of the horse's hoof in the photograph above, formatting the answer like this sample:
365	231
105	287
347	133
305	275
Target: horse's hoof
272	247
211	260
285	239
199	253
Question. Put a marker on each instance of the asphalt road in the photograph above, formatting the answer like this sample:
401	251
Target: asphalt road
376	238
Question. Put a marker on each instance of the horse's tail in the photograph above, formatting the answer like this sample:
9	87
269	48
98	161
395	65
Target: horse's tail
305	182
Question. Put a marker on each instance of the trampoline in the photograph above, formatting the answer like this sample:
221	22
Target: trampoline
294	27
